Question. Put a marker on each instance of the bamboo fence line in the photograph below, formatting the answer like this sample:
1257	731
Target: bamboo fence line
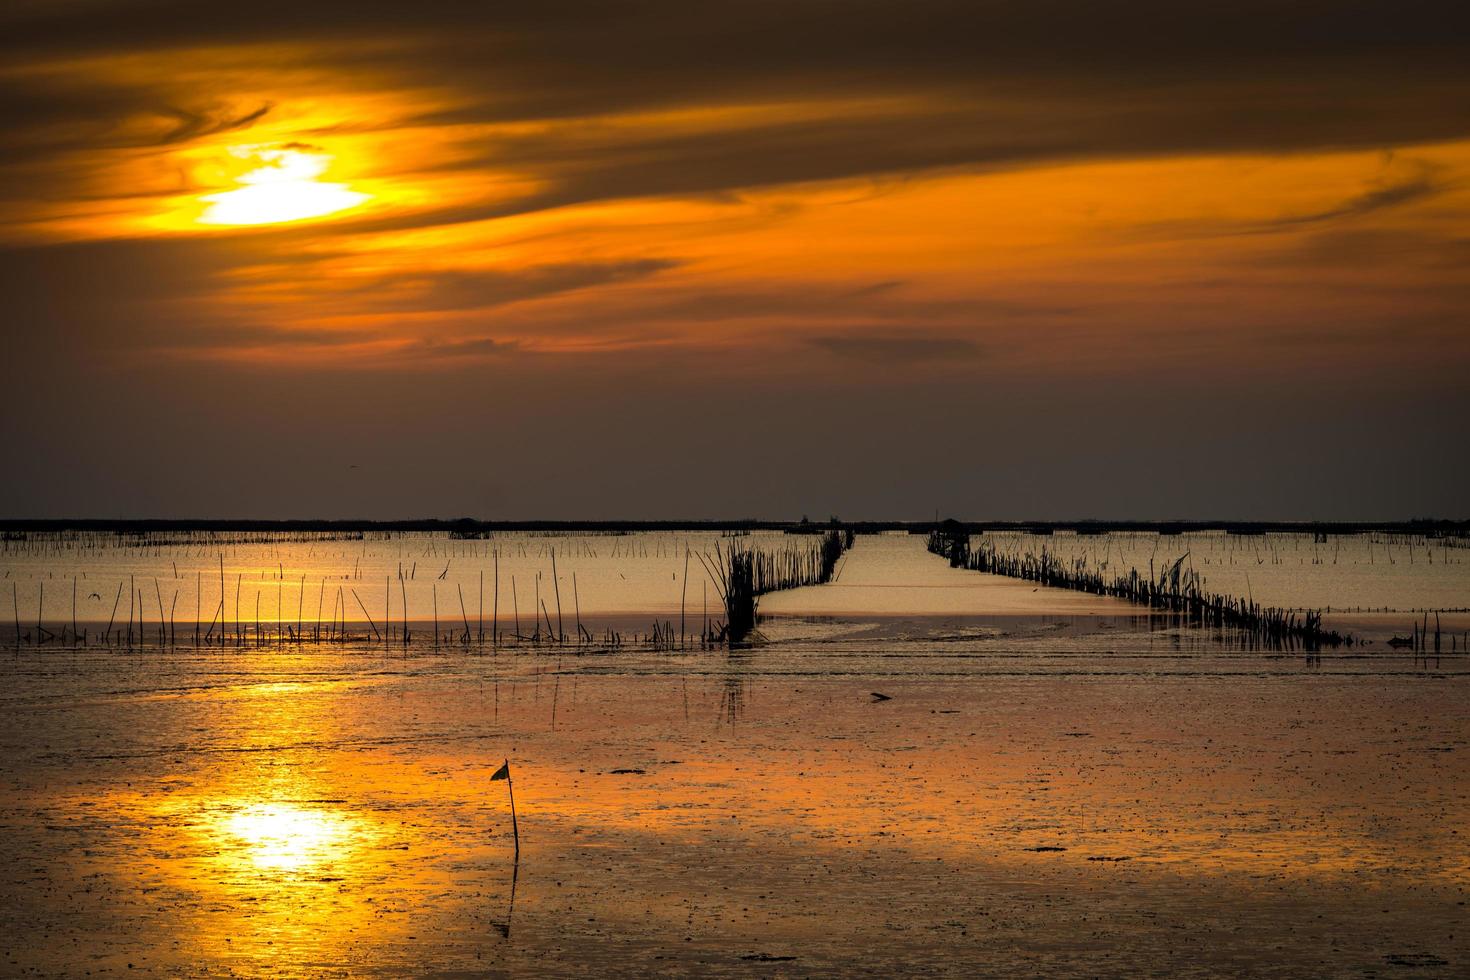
1173	589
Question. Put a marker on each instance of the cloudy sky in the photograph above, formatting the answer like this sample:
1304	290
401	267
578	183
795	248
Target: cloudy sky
670	259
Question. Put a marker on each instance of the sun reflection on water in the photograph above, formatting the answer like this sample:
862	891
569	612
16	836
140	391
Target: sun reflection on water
288	838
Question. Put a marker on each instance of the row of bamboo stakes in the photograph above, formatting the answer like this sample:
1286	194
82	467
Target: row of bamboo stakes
741	574
336	627
1172	589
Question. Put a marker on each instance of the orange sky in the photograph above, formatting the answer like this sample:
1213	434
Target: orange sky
852	193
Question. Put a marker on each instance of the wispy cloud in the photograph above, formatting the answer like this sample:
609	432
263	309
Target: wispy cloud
1385	195
195	123
1382	198
905	348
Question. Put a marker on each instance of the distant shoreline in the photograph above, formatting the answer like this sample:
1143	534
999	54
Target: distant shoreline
1430	527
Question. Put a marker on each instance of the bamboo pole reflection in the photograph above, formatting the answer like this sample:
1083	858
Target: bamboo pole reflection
504	927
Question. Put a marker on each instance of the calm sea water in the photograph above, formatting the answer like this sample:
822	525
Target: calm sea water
493	583
1368	571
917	769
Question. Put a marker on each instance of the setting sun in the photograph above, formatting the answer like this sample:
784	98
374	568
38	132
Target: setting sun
280	185
910	488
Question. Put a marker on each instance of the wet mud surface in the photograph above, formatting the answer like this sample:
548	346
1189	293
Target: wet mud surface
1077	796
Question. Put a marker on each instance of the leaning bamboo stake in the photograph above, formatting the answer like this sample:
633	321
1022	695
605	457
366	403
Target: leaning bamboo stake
403	595
577	608
159	592
464	615
367	614
515	607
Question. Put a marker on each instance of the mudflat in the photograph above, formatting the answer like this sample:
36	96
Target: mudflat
1069	795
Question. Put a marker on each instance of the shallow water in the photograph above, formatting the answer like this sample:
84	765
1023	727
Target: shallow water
1403	573
506	583
1089	794
493	583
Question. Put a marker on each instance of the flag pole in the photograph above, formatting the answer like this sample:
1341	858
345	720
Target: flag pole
514	826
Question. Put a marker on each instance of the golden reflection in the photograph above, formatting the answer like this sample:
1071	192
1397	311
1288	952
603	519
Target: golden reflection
278	184
285	837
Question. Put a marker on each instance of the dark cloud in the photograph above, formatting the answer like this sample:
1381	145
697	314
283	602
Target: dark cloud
581	39
1379	199
456	350
1388	193
454	290
897	347
950	84
194	123
793	368
883	307
133	295
1376	248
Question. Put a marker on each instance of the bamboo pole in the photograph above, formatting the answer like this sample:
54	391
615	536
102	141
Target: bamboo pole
464	615
515	606
561	633
367	614
577	608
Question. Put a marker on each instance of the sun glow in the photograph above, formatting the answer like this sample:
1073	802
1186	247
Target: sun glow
281	185
281	837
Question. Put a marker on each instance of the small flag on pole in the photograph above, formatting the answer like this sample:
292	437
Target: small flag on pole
504	773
